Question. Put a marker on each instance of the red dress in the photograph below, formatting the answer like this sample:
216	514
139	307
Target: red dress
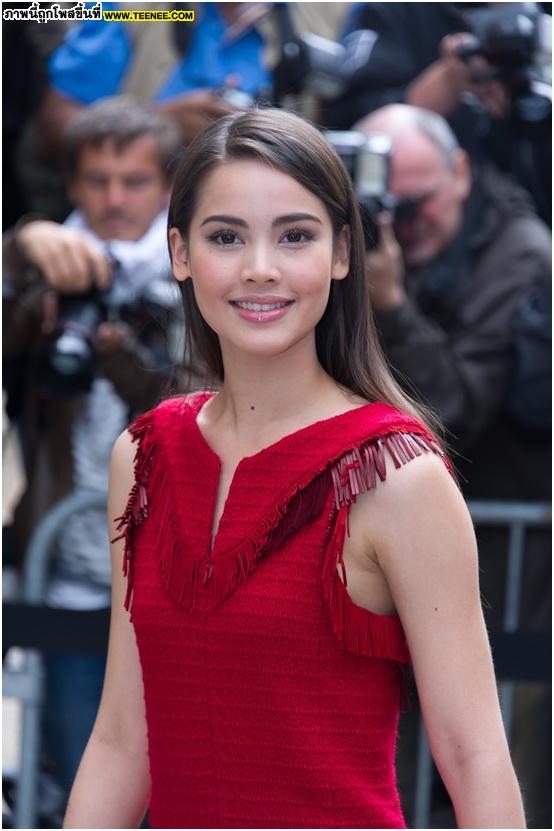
272	700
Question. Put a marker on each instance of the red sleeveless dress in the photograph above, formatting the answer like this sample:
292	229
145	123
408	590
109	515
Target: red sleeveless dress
272	700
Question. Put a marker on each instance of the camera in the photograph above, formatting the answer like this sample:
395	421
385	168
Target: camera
311	63
316	64
67	362
320	66
367	160
516	39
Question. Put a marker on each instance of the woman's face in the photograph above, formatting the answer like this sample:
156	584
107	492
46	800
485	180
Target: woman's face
261	255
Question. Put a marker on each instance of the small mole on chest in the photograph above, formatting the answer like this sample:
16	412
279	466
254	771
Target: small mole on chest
251	408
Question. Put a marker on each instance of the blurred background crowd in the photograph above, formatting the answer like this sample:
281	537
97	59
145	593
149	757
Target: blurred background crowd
442	114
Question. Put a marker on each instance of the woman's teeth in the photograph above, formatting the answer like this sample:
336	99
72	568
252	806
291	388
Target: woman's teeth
262	307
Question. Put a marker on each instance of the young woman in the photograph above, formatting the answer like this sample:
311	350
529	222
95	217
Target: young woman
292	542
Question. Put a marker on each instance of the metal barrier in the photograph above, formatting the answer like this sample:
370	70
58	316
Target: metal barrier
517	516
27	684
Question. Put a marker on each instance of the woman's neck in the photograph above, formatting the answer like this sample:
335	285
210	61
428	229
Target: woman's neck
263	397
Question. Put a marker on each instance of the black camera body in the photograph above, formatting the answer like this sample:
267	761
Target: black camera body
515	39
310	62
367	160
68	359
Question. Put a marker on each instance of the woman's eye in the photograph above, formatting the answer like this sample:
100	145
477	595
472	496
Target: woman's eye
296	235
223	238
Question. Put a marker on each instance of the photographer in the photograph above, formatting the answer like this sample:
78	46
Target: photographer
74	300
447	281
482	66
447	286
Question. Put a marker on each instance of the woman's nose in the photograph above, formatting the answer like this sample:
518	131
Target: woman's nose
259	265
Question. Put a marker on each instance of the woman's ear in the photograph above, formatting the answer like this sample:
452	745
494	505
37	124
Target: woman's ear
179	255
341	257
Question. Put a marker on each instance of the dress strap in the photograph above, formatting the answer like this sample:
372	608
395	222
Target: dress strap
359	630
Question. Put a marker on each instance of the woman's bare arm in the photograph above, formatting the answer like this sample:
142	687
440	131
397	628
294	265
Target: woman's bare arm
112	786
423	537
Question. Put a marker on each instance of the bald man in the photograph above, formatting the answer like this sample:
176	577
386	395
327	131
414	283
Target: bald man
446	284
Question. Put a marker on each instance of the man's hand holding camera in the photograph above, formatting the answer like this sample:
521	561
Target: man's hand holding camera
71	263
441	86
385	268
68	259
479	76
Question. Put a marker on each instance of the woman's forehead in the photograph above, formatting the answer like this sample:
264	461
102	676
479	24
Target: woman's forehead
252	186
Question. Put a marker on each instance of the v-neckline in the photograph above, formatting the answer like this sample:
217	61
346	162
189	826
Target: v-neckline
198	404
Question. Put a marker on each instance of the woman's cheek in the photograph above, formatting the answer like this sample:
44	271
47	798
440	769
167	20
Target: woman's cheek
316	275
212	275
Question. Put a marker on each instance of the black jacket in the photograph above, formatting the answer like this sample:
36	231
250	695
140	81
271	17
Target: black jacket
453	339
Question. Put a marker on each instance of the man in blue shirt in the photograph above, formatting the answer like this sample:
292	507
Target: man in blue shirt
181	67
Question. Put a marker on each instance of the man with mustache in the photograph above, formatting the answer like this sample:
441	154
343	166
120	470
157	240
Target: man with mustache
118	159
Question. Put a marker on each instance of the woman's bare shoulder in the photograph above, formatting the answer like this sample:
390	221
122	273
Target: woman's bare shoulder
122	472
421	491
418	505
415	478
123	453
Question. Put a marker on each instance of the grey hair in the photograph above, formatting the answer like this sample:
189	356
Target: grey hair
121	120
426	122
438	130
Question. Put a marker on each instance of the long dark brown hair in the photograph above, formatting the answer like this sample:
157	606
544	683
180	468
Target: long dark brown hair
347	341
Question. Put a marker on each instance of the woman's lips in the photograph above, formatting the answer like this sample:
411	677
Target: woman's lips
261	312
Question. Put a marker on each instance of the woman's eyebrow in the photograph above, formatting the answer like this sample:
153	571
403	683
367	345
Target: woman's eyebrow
229	220
284	220
280	220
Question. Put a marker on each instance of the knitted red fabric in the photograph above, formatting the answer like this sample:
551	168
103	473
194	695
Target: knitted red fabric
272	700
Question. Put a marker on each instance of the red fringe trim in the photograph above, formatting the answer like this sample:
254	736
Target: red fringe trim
357	471
359	630
136	510
180	574
295	510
